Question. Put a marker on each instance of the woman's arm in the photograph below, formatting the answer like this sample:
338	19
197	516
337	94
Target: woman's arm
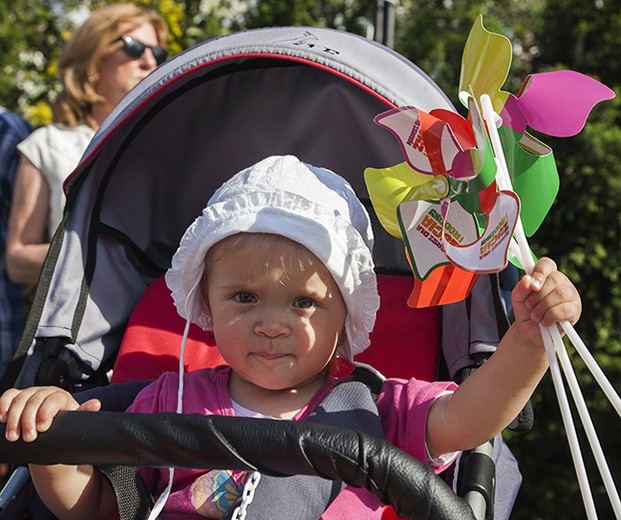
27	242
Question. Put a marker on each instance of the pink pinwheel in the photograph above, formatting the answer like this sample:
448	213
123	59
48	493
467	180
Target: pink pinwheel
554	103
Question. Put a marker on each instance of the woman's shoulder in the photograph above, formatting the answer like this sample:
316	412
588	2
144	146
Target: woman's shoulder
57	135
55	149
55	131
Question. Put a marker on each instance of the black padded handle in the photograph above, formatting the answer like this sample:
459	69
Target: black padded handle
277	448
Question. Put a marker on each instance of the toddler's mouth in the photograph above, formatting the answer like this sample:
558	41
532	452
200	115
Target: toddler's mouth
270	355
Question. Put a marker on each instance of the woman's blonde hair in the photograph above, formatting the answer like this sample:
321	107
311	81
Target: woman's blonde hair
78	62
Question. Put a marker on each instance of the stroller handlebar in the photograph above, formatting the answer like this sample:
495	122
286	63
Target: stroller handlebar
273	447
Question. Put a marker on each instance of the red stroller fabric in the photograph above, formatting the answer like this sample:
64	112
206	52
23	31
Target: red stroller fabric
151	342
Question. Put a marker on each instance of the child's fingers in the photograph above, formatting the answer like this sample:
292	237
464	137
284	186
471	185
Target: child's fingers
13	404
45	406
5	402
92	405
546	296
543	268
565	312
13	430
32	410
533	282
31	417
557	301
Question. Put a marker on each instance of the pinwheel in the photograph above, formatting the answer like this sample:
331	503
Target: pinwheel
472	189
444	200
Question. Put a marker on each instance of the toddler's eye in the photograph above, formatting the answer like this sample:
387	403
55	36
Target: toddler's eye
304	302
244	297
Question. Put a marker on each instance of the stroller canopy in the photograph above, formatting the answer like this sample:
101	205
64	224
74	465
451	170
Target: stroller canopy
198	119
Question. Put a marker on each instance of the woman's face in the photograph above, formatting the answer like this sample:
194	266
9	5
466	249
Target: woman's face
118	72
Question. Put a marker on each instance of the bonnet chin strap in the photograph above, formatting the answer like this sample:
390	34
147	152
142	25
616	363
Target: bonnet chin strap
349	405
161	501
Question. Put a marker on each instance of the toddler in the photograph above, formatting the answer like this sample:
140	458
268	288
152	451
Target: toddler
279	266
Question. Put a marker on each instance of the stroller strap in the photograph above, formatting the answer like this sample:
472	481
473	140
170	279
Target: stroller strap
350	404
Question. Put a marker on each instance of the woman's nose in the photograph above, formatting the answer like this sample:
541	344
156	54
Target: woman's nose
148	60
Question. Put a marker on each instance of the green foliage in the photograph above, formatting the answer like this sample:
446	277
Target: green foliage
586	35
188	23
350	15
432	34
30	40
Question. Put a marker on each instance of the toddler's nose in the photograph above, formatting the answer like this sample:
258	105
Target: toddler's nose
271	326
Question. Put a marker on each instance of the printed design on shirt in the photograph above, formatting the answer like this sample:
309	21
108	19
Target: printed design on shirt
214	493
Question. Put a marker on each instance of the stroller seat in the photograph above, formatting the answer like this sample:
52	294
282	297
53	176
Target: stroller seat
150	345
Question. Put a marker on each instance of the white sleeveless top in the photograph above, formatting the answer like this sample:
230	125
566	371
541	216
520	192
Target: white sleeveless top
55	151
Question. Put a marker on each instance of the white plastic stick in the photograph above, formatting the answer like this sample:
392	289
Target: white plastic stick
522	251
583	412
504	180
592	365
553	343
568	423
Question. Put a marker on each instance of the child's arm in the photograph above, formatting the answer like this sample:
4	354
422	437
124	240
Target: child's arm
68	491
493	396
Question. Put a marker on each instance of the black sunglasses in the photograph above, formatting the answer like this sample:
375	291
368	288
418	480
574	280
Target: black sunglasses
135	49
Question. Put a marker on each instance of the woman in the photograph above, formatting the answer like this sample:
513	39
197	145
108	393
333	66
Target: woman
106	57
13	129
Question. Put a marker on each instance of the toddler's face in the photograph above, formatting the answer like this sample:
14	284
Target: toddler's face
277	312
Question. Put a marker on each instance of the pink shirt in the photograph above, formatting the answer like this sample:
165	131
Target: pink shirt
403	406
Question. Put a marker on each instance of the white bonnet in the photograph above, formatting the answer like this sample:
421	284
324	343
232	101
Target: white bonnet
310	205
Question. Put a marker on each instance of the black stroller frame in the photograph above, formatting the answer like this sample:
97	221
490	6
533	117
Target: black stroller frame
195	121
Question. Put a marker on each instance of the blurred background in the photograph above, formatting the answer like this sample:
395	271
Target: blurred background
582	233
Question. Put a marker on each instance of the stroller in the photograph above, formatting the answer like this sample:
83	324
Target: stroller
102	313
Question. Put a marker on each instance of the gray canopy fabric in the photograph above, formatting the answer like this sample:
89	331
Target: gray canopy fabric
195	121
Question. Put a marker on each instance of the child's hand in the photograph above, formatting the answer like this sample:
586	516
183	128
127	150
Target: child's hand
546	297
30	411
